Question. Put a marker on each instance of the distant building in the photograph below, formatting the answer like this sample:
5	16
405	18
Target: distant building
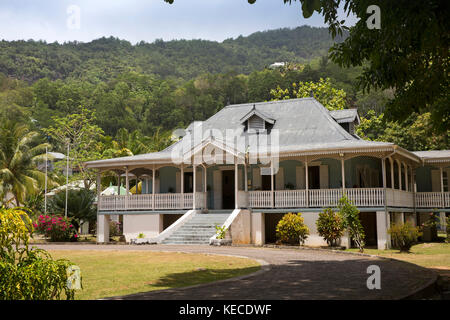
278	65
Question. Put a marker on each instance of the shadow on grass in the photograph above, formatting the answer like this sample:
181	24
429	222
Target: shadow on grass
184	279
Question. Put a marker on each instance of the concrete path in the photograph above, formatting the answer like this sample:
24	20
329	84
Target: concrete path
291	274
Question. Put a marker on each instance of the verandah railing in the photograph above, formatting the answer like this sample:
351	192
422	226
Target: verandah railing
160	201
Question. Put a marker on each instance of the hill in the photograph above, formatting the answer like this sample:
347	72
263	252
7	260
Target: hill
105	58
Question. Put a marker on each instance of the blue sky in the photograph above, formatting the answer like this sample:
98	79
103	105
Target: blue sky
136	20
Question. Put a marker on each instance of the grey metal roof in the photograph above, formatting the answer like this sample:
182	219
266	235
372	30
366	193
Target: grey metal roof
345	115
258	113
303	124
433	155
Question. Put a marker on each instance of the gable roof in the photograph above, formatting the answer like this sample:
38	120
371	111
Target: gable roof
345	115
258	113
303	125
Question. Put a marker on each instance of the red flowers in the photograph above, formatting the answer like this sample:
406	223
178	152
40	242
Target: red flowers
55	227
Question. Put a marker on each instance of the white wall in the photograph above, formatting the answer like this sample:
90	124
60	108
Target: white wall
149	224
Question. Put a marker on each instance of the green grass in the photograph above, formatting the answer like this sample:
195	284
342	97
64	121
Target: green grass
113	273
430	255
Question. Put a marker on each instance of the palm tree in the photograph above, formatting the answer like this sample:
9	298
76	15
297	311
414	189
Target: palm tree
19	154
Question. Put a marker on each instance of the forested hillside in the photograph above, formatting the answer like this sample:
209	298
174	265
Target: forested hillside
147	90
105	58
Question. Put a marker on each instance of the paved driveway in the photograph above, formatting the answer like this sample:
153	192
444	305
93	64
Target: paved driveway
290	274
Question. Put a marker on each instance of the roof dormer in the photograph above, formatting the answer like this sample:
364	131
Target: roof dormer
256	120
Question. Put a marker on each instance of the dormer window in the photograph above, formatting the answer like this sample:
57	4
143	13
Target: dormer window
256	123
256	120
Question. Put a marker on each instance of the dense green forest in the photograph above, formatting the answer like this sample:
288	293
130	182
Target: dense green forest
155	88
106	58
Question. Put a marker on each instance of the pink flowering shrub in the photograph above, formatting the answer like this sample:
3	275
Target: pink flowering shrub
56	228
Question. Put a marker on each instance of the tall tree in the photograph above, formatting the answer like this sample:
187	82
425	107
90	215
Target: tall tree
80	132
19	154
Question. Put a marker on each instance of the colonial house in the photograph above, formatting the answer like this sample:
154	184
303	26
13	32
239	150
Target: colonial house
249	164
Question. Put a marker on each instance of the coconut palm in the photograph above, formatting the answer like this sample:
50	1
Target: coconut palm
19	154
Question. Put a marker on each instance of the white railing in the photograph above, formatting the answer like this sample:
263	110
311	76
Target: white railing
145	201
260	199
366	197
399	198
324	197
290	198
432	199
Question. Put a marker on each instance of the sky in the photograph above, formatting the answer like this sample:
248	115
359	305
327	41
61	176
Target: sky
145	20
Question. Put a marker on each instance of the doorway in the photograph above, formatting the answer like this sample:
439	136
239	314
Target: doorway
188	182
228	189
314	177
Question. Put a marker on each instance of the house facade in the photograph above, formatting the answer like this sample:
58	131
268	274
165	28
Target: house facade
249	164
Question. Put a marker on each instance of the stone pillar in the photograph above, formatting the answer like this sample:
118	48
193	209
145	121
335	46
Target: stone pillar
383	224
236	184
345	240
258	229
103	228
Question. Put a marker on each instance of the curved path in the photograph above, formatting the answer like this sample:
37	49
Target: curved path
292	274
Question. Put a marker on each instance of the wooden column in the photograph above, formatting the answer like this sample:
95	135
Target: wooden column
236	184
343	175
194	175
127	187
307	183
99	189
406	177
391	162
271	184
399	175
182	186
153	186
383	170
442	186
118	184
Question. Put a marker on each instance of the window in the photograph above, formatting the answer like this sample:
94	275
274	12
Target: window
256	123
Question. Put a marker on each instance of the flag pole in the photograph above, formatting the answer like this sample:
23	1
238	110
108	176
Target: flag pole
67	179
45	194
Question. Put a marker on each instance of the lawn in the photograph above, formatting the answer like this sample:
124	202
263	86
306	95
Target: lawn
430	255
113	273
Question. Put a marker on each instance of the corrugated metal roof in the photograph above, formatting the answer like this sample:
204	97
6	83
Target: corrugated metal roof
302	124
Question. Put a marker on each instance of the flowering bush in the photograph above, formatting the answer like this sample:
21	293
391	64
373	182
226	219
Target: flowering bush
404	236
330	226
56	228
28	273
292	229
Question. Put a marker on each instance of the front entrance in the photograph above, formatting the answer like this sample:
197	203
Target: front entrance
369	223
314	177
188	182
228	189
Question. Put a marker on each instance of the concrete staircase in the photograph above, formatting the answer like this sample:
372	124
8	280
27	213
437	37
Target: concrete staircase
198	229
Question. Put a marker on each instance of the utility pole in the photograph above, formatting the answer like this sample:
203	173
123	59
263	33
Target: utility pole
67	178
45	194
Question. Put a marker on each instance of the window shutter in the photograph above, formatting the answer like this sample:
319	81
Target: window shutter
178	182
256	179
435	181
256	123
300	177
217	175
324	177
279	179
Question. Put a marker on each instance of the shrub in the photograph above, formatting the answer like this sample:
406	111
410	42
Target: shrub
114	229
29	274
350	218
220	231
56	228
330	226
404	236
292	229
